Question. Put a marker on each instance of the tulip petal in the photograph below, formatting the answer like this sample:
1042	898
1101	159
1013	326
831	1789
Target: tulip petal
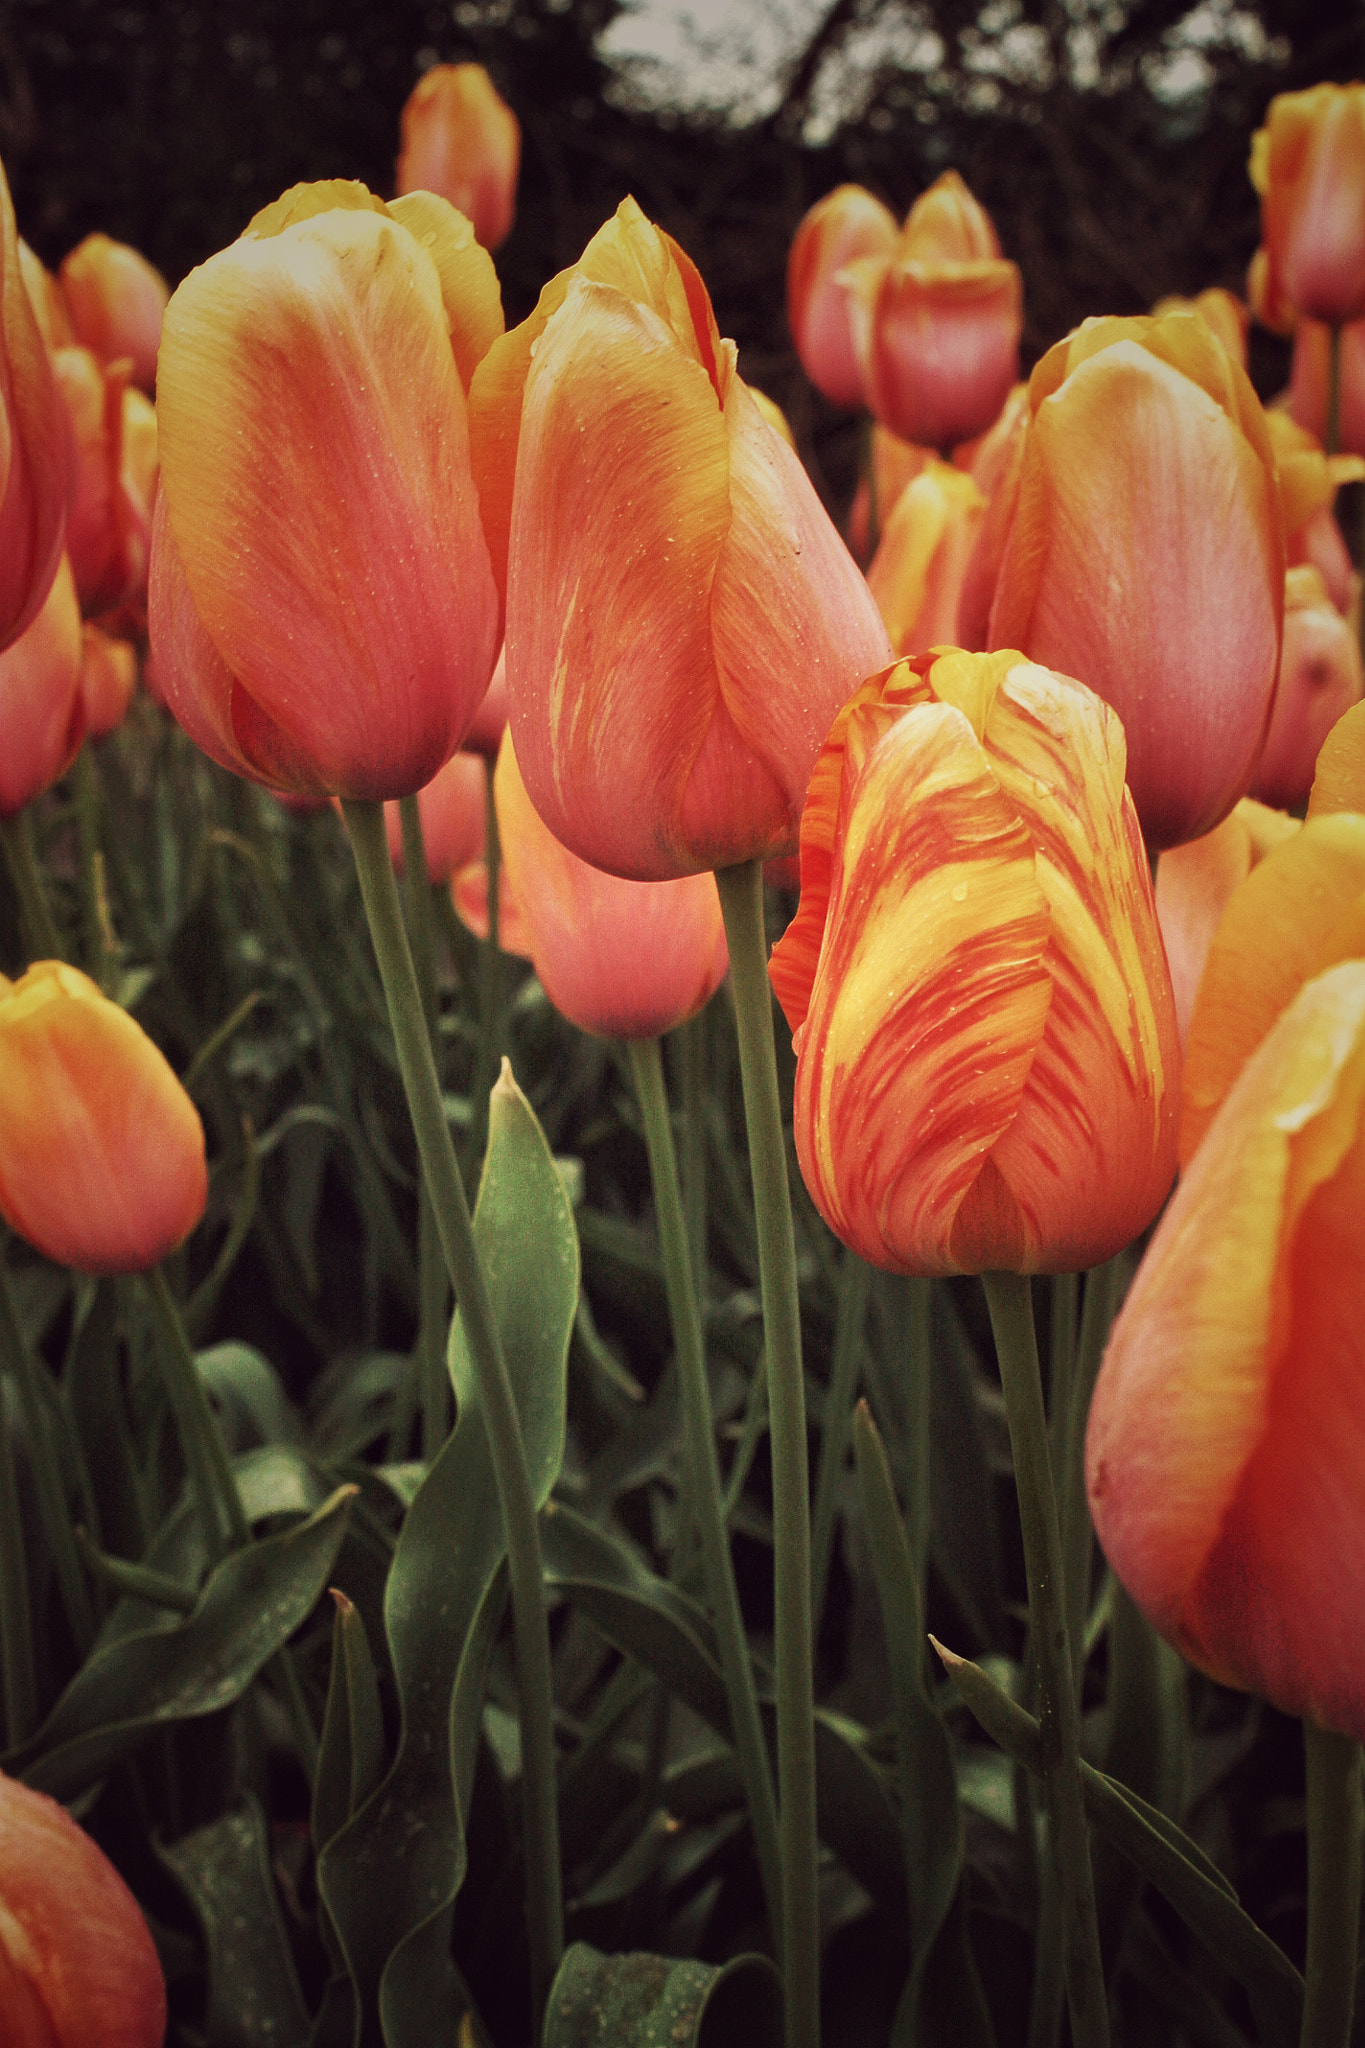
35	447
42	711
1339	784
469	283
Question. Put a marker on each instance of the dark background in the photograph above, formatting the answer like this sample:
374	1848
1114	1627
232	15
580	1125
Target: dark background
168	125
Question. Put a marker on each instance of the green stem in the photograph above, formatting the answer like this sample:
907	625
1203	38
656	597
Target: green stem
433	1381
17	1674
1010	1302
94	900
489	1057
1331	427
40	932
741	901
855	1279
19	1362
206	1460
705	1488
544	1902
1332	1770
1103	1287
689	1041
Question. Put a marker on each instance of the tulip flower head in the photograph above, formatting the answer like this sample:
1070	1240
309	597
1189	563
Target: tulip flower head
1339	784
987	1063
77	1965
1144	553
682	619
108	680
1194	884
917	572
101	1150
461	140
1320	678
936	320
42	711
1220	310
1310	375
453	809
108	533
323	613
846	224
116	300
1308	164
1223	1453
35	447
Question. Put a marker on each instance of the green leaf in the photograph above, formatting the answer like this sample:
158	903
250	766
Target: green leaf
352	1752
253	1407
101	1422
131	1683
254	1999
643	2001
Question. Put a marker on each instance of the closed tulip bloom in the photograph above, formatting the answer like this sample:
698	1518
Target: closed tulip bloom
35	447
894	464
453	809
78	1968
845	224
1299	911
108	680
1320	678
101	1150
682	619
1194	884
987	1064
1220	310
1309	481
1310	375
460	139
917	572
322	608
42	711
1145	554
108	533
1339	784
490	720
1223	1450
50	309
1308	164
116	300
936	320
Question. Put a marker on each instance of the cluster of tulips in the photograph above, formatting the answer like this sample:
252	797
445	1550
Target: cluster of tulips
372	535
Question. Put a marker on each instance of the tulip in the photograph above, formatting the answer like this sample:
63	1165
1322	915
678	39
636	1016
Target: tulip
116	300
1144	553
622	959
1308	164
108	535
78	1968
461	140
987	1060
1221	311
108	680
101	1150
846	224
917	573
1194	884
1339	784
936	320
490	720
50	309
1310	375
1309	481
1223	1449
1320	678
895	463
453	812
42	712
682	619
1299	911
323	613
1265	300
35	447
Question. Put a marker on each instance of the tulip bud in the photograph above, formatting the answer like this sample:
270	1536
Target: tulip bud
1222	312
1194	884
77	1964
682	619
108	680
1320	678
1308	164
101	1150
936	320
845	224
917	573
42	712
622	959
116	300
1144	554
462	141
323	613
453	810
1309	481
50	309
1310	376
895	463
35	447
1222	1454
108	536
987	1060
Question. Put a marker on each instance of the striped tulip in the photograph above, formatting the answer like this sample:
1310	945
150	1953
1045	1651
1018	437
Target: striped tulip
987	1064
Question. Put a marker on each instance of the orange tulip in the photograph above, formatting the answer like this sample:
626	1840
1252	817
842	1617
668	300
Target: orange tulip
78	1968
846	224
101	1150
917	572
108	533
35	447
323	612
1220	310
1145	554
1309	375
895	463
1320	678
1194	884
682	619
1339	784
490	720
936	320
987	1061
1308	164
453	809
42	712
1223	1454
460	139
622	959
116	300
108	680
50	309
1309	481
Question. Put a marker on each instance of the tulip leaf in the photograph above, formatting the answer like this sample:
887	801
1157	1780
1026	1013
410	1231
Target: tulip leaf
389	1878
942	1999
637	2001
249	1395
1176	1866
254	1999
131	1683
97	1410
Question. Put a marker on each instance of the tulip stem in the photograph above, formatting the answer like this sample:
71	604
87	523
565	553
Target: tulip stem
1010	1301
17	1673
206	1460
705	1487
40	931
1336	1828
544	1897
855	1280
741	902
490	975
433	1381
